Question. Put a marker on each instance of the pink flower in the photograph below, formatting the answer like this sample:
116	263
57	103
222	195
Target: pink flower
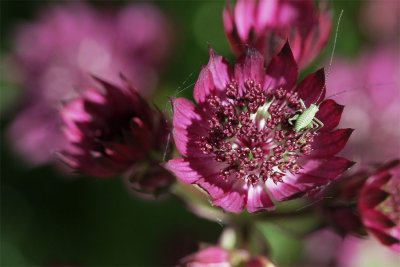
55	54
266	24
379	205
373	103
113	131
217	256
237	143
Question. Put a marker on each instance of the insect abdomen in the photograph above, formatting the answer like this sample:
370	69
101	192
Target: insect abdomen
306	118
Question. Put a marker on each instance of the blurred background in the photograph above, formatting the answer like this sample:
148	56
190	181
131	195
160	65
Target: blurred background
52	217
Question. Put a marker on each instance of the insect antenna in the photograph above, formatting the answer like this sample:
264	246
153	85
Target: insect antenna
361	87
332	54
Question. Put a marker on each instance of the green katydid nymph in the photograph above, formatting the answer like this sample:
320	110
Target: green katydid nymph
306	119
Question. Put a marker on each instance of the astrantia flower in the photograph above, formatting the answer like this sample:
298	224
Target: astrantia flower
266	24
217	256
55	53
379	205
113	131
237	143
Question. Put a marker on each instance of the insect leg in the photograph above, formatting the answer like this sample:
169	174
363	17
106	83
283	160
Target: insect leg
302	104
293	119
319	123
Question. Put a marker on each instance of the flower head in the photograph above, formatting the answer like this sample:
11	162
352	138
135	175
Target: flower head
55	53
113	131
379	205
266	24
238	142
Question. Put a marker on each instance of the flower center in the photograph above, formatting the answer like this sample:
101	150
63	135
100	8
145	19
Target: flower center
249	131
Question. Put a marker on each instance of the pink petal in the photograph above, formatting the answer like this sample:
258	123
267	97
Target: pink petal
244	17
233	201
376	220
212	78
314	173
188	126
329	144
190	170
329	113
258	199
282	71
211	255
118	98
215	185
250	66
370	197
283	190
220	69
317	172
312	89
266	14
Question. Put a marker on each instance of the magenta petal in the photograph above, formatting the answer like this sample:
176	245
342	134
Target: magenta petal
118	99
244	17
207	257
204	86
258	199
215	186
188	125
282	191
181	168
376	220
212	78
220	69
190	170
372	197
329	113
312	89
328	144
233	201
266	14
282	71
318	172
250	66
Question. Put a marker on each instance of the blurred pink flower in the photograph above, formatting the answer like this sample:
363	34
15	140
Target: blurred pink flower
55	54
113	131
357	252
373	107
237	143
379	205
320	248
267	24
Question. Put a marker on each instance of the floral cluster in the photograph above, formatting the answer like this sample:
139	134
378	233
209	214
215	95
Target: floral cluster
255	138
239	140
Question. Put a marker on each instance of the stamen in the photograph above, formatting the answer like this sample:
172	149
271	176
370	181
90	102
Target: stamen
251	134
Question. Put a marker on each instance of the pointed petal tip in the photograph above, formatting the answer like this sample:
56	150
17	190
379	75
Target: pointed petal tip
350	164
